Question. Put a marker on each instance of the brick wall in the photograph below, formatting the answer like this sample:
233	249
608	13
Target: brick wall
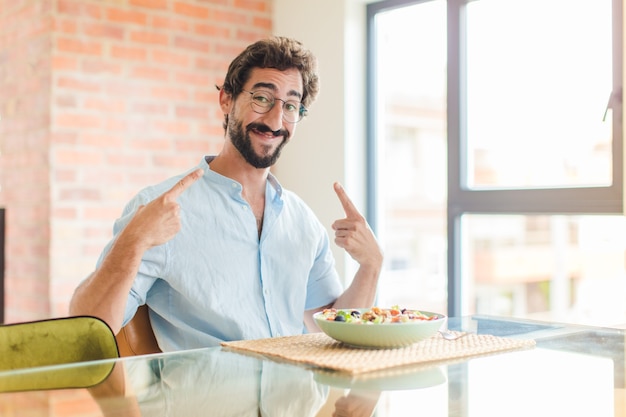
25	76
99	98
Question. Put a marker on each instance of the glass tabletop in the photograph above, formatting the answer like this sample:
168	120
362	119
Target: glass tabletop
572	371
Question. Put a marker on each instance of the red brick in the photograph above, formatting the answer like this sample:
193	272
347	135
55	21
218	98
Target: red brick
214	64
192	44
264	23
79	9
101	66
125	87
98	213
229	50
170	58
103	30
104	140
153	4
233	17
66	26
126	16
64	213
194	79
64	175
172	128
57	137
216	2
164	144
252	5
78	46
128	52
150	73
212	130
79	194
116	125
125	160
64	63
102	175
77	158
198	146
149	37
249	35
191	10
212	30
192	112
206	97
105	105
174	161
170	93
78	121
71	83
150	108
170	23
66	101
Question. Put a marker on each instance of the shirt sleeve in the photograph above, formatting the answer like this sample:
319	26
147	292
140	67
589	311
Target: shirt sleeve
147	272
324	286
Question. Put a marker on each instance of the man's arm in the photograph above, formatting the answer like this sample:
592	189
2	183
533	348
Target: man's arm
353	234
105	292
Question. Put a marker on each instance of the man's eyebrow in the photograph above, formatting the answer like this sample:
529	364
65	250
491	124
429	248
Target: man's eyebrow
270	86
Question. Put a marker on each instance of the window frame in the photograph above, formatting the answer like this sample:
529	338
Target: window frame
462	200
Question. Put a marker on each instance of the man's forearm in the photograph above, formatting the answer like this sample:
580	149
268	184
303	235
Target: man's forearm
105	292
362	290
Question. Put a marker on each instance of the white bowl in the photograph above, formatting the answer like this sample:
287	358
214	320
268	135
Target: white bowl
380	335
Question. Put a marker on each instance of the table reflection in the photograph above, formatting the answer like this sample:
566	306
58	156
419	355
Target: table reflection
224	383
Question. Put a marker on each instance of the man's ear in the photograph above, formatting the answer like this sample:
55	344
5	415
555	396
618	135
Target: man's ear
226	102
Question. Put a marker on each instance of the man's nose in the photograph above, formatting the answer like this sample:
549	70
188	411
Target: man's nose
274	117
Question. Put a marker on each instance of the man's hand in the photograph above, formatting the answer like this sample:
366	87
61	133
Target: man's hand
159	221
354	234
356	404
104	293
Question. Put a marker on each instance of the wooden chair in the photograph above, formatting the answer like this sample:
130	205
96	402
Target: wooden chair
137	337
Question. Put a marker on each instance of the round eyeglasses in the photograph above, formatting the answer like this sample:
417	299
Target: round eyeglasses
262	102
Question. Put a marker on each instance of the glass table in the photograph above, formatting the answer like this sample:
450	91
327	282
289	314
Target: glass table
572	371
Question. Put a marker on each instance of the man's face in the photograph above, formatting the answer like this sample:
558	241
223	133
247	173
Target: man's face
260	137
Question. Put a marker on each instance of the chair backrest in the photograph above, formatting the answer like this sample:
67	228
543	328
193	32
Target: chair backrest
61	341
55	341
137	337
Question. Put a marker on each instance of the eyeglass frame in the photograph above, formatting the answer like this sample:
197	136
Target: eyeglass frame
302	111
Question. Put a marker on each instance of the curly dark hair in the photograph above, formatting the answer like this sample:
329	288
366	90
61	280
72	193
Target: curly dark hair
276	52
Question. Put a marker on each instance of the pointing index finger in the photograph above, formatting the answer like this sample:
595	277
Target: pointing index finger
346	203
183	184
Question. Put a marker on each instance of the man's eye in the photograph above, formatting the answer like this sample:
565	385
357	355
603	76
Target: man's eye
262	99
292	107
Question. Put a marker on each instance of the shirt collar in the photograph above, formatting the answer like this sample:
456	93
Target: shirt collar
271	179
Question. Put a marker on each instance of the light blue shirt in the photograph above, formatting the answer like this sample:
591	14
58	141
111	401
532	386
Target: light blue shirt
216	280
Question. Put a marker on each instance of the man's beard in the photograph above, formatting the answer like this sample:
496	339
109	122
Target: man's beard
242	142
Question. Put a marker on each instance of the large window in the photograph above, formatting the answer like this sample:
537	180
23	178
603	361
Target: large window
496	152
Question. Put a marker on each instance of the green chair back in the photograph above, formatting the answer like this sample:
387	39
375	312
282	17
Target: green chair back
31	352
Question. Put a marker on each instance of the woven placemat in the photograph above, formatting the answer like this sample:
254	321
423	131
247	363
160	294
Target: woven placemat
319	350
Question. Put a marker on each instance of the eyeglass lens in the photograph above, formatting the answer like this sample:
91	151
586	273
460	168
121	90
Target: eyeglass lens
263	102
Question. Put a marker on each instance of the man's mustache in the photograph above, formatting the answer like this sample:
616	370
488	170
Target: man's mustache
259	127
